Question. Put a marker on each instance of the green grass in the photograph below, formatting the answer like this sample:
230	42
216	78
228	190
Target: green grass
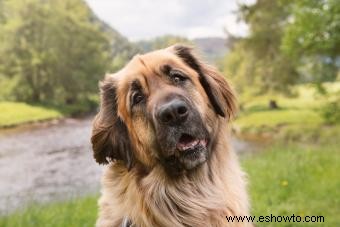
304	96
283	180
286	180
14	113
75	213
294	179
279	117
299	117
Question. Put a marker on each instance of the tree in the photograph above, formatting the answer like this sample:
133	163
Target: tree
273	71
56	51
312	37
2	16
53	51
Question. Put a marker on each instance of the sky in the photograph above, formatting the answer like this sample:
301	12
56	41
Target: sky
146	19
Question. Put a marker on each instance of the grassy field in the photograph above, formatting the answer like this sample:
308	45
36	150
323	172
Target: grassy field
298	118
286	180
14	113
283	180
75	213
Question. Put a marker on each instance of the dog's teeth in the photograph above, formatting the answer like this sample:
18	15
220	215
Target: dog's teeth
203	142
194	143
190	145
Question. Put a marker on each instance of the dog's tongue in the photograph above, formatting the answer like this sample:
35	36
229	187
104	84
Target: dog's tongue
187	142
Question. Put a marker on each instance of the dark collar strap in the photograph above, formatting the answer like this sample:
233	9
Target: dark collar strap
126	222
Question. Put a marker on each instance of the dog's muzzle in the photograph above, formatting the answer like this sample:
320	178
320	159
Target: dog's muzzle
181	134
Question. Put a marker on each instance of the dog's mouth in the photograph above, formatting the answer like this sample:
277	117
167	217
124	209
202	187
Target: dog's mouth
189	144
192	151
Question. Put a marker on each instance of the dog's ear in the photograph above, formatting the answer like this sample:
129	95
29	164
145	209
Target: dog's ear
218	90
110	137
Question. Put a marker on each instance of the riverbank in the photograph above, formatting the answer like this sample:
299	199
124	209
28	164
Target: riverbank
15	114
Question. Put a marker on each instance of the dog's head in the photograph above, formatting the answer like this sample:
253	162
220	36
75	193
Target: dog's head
162	108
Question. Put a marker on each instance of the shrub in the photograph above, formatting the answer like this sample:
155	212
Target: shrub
331	111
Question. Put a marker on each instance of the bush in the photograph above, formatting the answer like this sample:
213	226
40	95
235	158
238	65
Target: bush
331	112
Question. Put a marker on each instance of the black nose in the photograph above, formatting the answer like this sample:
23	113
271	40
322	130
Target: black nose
173	112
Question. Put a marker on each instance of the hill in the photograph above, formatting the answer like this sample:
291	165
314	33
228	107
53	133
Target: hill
211	47
122	48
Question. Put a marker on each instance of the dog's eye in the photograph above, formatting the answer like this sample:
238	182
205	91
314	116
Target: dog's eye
177	77
137	97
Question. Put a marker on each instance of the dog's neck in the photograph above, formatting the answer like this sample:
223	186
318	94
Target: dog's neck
194	198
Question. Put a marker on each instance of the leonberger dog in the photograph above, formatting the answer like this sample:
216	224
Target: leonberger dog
162	129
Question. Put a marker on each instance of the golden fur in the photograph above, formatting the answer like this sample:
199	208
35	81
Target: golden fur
135	184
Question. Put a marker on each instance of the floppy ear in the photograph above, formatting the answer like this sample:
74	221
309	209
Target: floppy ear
110	137
218	90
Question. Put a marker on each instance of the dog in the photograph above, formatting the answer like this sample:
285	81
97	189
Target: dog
162	129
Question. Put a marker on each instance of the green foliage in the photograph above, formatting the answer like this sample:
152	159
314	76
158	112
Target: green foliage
288	42
7	85
121	49
290	179
55	52
331	111
2	16
239	65
313	38
44	46
53	49
314	28
256	61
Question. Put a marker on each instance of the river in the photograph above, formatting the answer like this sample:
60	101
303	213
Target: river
50	161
